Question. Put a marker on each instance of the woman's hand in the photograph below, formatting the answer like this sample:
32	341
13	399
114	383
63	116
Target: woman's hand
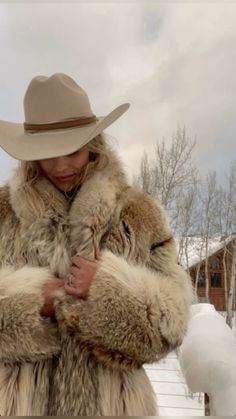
81	275
53	284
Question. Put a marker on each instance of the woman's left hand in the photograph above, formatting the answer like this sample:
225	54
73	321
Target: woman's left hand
81	275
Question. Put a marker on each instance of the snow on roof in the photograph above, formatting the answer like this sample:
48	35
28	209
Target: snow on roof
192	250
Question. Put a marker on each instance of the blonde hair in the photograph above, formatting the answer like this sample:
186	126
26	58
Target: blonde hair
99	158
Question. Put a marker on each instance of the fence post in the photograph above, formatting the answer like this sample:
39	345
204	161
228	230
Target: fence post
207	405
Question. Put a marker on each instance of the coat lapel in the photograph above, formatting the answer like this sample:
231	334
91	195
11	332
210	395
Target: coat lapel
52	230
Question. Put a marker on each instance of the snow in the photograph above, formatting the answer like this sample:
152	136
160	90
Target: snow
224	315
207	362
208	358
172	393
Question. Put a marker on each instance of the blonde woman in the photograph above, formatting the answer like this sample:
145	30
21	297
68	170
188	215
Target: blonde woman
90	288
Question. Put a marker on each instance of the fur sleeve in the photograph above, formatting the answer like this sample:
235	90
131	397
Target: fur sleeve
24	334
137	308
133	314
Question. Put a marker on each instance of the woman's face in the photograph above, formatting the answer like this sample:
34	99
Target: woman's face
63	171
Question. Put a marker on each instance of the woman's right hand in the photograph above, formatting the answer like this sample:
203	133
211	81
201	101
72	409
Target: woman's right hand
53	284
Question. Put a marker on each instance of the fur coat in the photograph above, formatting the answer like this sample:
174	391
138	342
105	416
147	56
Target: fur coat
89	361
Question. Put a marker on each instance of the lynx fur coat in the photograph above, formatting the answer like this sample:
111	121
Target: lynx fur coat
87	362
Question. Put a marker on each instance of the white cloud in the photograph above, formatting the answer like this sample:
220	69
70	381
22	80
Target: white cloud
175	64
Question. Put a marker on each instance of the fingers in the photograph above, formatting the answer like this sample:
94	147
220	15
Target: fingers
80	260
76	289
81	274
76	260
74	270
80	277
73	291
77	284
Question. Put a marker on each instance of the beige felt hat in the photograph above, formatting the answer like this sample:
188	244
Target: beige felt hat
58	120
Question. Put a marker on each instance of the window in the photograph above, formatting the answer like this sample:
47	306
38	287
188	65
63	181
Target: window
201	279
215	263
215	280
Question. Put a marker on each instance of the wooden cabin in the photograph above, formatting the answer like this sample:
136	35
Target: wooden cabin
219	275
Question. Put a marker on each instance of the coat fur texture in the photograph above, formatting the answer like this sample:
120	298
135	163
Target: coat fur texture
89	361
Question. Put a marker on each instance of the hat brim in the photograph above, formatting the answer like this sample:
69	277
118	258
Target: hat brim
37	146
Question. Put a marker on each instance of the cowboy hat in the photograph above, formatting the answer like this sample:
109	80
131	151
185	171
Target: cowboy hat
58	120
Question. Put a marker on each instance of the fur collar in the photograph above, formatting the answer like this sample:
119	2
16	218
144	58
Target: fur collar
70	228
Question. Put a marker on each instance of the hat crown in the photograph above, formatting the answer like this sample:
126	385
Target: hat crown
53	99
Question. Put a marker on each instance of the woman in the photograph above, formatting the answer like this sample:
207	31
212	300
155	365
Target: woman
89	282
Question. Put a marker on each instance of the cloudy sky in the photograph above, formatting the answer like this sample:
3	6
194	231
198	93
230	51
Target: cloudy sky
175	63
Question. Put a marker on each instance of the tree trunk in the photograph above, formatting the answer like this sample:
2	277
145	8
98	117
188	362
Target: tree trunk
225	277
206	272
231	299
198	267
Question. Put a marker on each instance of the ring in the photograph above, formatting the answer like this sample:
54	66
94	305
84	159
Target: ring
70	279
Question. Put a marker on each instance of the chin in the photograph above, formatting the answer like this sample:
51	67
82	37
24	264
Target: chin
65	187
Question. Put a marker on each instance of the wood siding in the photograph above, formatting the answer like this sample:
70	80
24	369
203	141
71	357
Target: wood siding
217	295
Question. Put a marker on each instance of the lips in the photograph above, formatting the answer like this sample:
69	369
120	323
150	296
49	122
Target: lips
65	178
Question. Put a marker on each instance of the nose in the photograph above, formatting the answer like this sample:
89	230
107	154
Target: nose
60	164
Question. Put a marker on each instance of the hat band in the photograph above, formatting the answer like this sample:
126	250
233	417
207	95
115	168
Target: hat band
60	125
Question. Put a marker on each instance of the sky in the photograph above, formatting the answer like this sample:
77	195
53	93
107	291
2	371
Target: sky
174	62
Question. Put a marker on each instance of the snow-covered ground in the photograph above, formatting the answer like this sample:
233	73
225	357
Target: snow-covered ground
208	358
223	313
173	396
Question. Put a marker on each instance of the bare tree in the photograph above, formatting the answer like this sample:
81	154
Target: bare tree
196	208
232	287
229	228
144	180
186	204
170	173
209	197
200	252
173	168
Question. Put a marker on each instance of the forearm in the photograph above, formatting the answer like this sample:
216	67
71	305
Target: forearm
131	311
24	334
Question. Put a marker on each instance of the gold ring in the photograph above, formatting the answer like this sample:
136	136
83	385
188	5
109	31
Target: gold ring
70	279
